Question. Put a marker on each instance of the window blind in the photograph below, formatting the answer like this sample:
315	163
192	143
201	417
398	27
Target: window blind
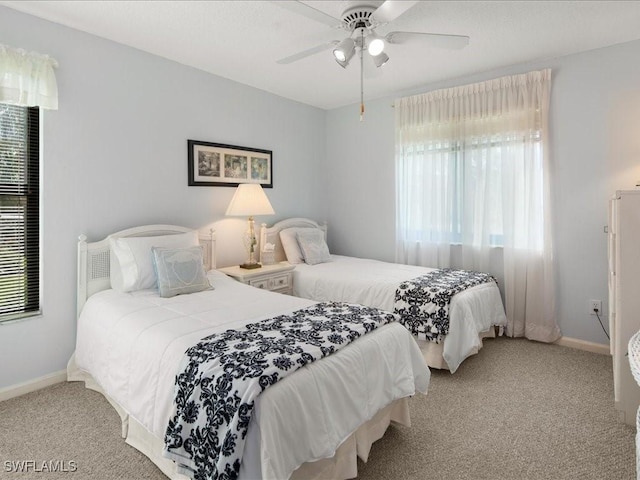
19	211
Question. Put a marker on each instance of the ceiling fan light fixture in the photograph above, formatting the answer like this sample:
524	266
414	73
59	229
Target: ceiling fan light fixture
376	44
380	59
344	51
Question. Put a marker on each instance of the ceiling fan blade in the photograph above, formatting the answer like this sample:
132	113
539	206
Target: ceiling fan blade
390	10
309	12
435	39
306	53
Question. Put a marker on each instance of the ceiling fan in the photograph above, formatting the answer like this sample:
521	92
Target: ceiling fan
359	20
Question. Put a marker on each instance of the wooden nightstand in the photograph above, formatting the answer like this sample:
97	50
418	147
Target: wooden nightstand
276	278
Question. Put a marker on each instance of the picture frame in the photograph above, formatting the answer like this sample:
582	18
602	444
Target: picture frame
221	165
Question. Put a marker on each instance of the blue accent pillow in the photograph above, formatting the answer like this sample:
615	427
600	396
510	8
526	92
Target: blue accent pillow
314	248
180	270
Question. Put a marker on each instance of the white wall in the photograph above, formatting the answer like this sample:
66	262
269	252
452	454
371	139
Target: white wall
595	126
115	156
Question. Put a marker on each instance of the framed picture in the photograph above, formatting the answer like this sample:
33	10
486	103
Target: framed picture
217	164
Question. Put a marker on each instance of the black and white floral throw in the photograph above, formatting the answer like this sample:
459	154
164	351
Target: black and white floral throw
220	377
423	302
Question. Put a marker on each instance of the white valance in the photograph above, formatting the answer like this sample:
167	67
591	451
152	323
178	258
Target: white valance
27	79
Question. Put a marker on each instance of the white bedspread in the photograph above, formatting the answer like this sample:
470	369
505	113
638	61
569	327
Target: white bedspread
374	283
132	344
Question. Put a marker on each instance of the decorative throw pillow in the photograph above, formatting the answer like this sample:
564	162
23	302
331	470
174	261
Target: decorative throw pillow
180	270
132	259
313	246
290	244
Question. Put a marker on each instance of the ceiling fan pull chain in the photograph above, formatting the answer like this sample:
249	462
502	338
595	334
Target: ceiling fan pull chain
361	74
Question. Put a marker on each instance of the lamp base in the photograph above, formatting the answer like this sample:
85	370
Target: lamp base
250	266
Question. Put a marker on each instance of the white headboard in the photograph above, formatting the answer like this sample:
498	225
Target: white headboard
272	234
94	257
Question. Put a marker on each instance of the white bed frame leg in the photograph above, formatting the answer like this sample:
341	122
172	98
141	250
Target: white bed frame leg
82	274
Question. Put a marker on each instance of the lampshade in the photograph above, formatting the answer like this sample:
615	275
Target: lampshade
249	200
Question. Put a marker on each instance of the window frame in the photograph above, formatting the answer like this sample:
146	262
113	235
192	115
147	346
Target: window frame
28	194
458	149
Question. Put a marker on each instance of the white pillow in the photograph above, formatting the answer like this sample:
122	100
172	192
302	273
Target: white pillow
133	259
314	248
290	244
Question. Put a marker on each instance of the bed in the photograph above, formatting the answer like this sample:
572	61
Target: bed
311	424
474	313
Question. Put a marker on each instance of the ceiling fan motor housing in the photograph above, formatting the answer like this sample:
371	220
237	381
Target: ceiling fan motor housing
358	17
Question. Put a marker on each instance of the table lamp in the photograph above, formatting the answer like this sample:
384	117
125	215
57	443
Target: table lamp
250	200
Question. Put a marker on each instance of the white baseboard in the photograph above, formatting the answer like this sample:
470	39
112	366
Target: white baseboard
583	345
32	385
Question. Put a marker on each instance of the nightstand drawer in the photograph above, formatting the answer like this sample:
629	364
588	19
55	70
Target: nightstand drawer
275	278
260	283
280	281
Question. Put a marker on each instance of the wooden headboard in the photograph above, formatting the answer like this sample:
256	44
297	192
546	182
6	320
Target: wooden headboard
94	262
272	234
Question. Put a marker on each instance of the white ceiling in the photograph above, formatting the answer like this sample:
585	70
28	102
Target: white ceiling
242	40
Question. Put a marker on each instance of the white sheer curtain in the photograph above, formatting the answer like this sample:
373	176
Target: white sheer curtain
27	79
472	181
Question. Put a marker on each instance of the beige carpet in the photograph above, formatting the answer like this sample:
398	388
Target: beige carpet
517	410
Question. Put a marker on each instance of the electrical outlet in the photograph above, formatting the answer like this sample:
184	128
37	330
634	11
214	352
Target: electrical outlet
595	306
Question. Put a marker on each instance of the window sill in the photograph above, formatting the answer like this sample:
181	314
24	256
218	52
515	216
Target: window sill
21	318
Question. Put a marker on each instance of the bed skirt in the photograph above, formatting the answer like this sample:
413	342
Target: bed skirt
342	465
433	352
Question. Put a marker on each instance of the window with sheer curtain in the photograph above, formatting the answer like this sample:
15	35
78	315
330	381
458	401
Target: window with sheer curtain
472	176
465	177
27	84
